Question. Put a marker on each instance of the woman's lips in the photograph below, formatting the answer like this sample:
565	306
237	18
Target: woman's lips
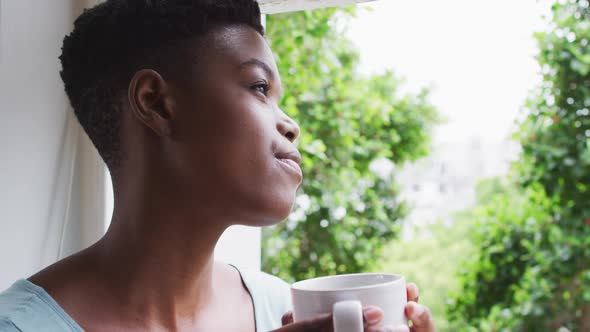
291	166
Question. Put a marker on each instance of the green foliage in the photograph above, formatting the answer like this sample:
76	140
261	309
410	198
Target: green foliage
532	271
344	212
555	136
510	237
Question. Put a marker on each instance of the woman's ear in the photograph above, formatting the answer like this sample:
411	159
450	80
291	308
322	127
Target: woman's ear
151	102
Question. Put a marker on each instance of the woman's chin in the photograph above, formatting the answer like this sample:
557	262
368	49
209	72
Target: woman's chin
276	215
269	209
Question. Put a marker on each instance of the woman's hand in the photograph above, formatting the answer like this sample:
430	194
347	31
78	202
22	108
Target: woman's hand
419	315
372	317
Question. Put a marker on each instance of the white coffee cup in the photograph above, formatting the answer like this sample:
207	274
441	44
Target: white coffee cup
345	295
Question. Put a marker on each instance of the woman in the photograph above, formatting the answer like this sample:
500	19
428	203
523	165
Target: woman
180	98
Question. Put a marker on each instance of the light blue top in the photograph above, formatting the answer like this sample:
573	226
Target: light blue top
26	307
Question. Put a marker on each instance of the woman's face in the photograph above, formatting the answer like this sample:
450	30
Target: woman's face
233	145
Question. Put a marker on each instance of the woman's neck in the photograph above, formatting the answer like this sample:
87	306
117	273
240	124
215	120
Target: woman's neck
158	256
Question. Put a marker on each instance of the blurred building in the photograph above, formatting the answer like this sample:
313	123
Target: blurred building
445	181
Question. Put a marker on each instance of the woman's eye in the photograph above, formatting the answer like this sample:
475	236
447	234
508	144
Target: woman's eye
261	87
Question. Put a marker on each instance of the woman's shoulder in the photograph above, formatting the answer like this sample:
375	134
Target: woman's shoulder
19	298
264	280
271	296
26	307
266	286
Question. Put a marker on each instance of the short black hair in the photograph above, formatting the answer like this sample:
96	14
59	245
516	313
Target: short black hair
115	39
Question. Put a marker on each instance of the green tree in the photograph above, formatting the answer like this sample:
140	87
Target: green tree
532	272
508	235
344	213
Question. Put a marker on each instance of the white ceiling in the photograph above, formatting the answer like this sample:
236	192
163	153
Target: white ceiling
281	6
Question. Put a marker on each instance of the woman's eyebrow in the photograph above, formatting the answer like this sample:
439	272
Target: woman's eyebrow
260	64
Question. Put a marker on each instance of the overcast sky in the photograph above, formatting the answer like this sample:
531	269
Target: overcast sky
478	55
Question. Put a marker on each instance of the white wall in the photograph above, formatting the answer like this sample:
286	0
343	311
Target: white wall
240	245
36	140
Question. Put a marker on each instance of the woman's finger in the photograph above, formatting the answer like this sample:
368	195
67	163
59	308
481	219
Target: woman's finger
372	317
321	323
413	292
421	318
388	328
287	318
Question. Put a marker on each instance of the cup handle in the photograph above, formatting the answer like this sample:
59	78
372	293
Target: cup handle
348	316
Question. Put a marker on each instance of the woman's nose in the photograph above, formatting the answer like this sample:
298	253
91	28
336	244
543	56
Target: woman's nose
288	127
